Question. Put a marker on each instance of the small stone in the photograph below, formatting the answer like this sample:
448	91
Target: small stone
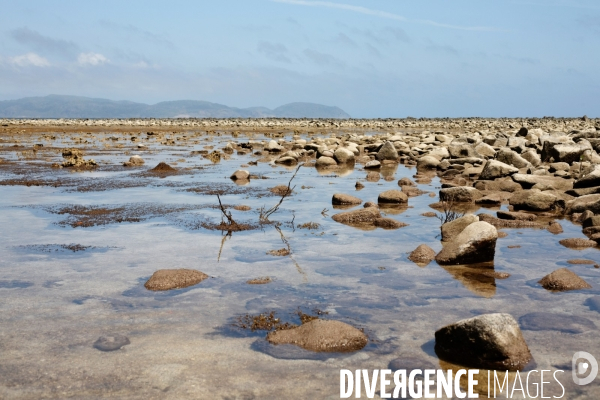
359	186
324	161
368	214
555	228
563	279
240	174
373	164
111	342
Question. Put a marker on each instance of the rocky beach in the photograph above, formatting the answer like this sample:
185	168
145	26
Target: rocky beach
179	258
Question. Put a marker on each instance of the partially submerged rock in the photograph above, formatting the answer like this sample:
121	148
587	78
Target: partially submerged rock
534	200
321	336
563	279
240	174
133	161
489	341
392	197
545	321
475	244
495	169
368	214
460	194
388	223
422	255
577	243
345	199
167	279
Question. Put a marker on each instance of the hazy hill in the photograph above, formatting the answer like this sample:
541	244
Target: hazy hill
55	106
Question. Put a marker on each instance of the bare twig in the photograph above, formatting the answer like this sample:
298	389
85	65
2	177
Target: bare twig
289	248
324	212
264	215
228	216
448	214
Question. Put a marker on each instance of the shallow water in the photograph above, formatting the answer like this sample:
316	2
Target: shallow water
59	299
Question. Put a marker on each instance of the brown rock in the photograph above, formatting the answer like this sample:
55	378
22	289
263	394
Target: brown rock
392	197
321	336
373	176
406	182
368	214
475	244
512	215
555	228
163	167
345	199
577	243
451	229
388	223
422	255
581	261
167	279
563	279
488	341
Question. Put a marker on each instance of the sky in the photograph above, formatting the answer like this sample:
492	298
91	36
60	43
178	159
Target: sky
373	59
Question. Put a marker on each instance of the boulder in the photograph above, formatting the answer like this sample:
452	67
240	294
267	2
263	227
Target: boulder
532	156
344	155
589	202
462	151
488	341
460	194
286	160
495	169
485	150
427	162
373	164
321	336
345	199
392	197
475	244
167	279
422	255
563	279
511	157
387	152
240	174
589	180
324	162
534	200
568	152
451	229
273	147
527	181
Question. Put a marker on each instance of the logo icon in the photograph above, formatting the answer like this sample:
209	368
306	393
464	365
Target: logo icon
580	367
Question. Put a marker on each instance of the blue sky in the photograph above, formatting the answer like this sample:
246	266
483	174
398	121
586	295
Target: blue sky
371	58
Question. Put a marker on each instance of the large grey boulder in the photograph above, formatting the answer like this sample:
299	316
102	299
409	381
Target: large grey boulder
496	169
453	228
475	244
511	157
462	150
488	341
534	200
387	152
460	194
569	152
589	180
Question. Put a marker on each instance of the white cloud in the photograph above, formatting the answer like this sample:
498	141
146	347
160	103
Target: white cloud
29	59
380	14
91	59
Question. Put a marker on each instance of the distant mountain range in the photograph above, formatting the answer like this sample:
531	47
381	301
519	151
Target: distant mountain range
56	106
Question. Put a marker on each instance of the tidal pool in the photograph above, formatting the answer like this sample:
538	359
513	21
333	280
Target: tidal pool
77	246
